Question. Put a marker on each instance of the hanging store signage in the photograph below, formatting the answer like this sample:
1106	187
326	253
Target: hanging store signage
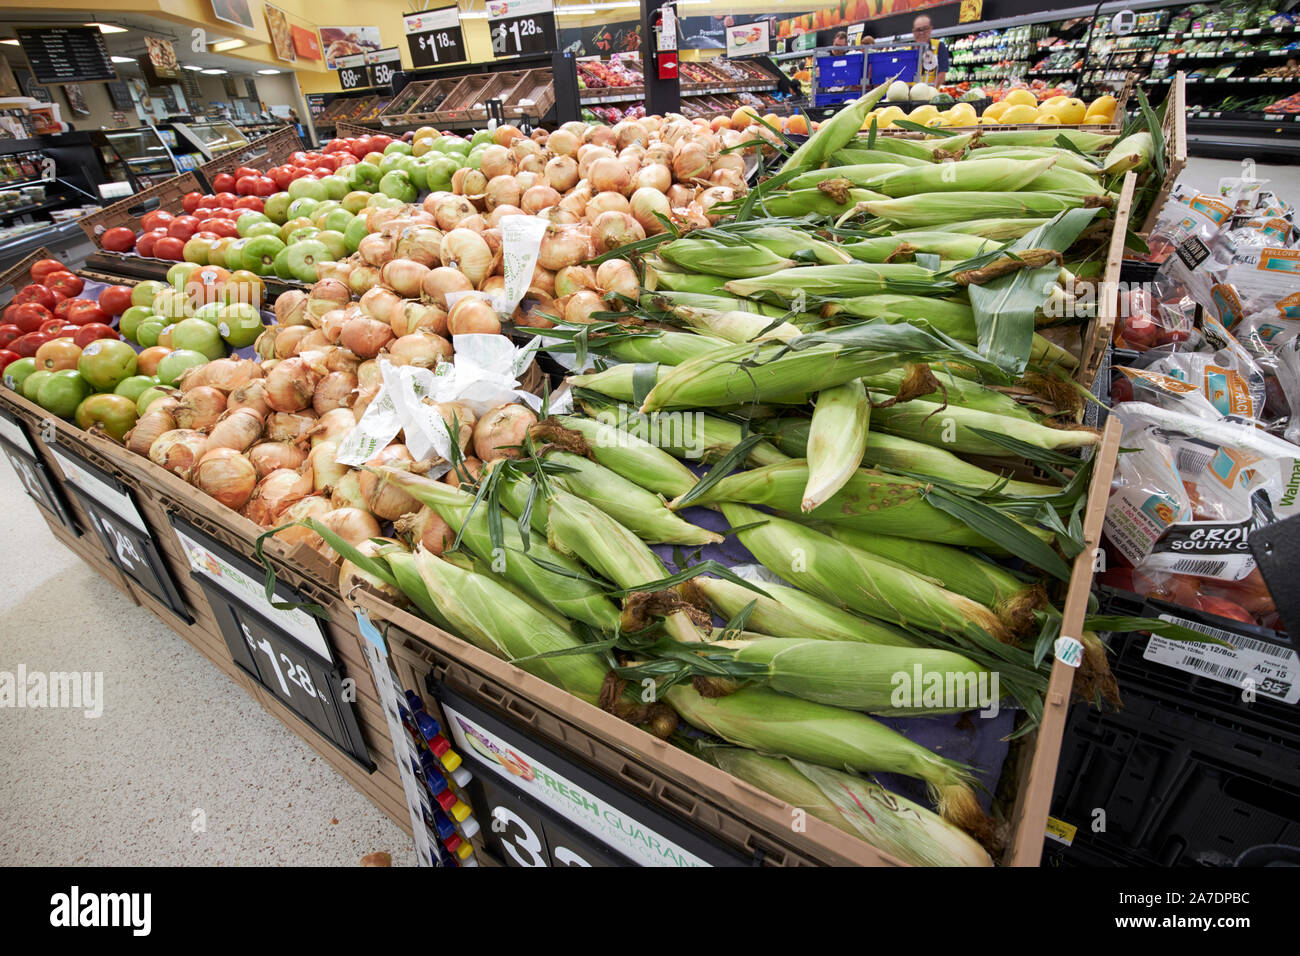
748	39
353	72
434	37
339	42
521	26
382	64
162	58
305	42
66	54
277	22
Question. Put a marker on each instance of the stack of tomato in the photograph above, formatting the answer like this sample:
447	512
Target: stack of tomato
47	317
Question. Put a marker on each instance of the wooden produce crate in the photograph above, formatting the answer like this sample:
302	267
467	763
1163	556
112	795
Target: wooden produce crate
500	86
537	86
261	154
351	130
19	274
1174	129
461	100
165	195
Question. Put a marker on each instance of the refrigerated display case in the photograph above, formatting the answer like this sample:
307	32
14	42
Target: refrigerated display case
142	156
212	138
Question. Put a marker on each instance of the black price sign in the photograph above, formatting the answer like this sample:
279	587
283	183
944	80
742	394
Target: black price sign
523	835
522	26
66	54
353	72
382	64
434	37
284	650
32	472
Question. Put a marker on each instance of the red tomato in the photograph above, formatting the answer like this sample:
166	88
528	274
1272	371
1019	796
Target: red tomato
36	293
265	186
8	332
28	316
61	310
249	202
246	171
86	311
245	185
282	176
379	142
191	201
225	198
326	162
205	212
6	357
55	326
301	171
183	227
146	243
223	182
360	146
116	299
95	330
155	219
26	345
44	267
336	145
221	227
298	157
65	282
346	159
170	248
118	239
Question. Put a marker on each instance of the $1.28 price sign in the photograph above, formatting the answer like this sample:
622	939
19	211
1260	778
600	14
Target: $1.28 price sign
521	26
434	37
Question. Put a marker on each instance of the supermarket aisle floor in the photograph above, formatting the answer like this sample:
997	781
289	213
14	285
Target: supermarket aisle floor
177	743
1203	174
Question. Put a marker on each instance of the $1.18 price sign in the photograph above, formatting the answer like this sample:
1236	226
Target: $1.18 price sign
521	26
434	37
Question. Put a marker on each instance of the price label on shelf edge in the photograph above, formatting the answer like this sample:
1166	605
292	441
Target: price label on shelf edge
434	37
521	26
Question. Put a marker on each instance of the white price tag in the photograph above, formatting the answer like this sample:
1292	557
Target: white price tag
1069	651
1270	670
115	501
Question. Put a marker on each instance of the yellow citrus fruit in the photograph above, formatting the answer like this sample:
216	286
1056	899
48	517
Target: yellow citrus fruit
1048	119
987	120
923	114
1021	97
1096	119
1071	111
1103	104
1020	113
962	114
995	110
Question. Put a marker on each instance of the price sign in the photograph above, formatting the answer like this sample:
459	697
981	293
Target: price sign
285	651
434	37
539	808
383	64
353	72
32	472
521	26
66	54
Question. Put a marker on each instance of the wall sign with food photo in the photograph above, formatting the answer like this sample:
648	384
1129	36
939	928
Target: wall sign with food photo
348	41
233	11
277	21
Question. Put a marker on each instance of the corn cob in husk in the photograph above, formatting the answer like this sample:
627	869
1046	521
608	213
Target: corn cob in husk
1065	158
953	428
948	245
836	440
738	327
876	157
932	209
989	176
665	347
635	459
733	261
1132	152
855	278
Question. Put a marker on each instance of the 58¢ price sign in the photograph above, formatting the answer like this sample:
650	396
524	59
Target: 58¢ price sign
521	26
434	37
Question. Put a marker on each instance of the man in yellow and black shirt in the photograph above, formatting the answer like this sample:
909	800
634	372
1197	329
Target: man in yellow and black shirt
933	66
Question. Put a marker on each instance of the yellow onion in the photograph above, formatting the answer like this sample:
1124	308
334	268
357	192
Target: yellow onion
331	323
563	247
351	577
347	491
362	279
425	527
654	176
501	212
200	407
497	161
629	132
474	223
617	277
376	249
645	203
251	396
580	306
353	525
264	344
339	359
291	308
502	191
369	375
602	136
575	203
314	341
614	229
468	182
587	157
335	390
500	432
472	315
605	202
313	506
467	252
561	173
609	174
470	467
494	286
325	470
148	428
269	456
276	492
365	337
450	210
378	303
325	295
227	476
290	384
729	178
537	198
238	430
383	498
421	244
690	161
286	342
403	276
533	310
333	270
413	315
712	196
290	426
572	278
563	142
680	195
522	148
420	349
658	154
178	451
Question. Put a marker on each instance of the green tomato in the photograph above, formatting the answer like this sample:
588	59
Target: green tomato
16	372
135	386
63	391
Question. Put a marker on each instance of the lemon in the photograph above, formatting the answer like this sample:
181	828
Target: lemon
923	114
1048	119
1021	97
1071	111
1096	119
1103	104
995	110
891	113
1020	113
987	120
1054	100
962	114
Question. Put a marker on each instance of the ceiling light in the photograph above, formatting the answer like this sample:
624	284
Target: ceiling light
189	66
107	27
268	72
225	45
214	72
121	59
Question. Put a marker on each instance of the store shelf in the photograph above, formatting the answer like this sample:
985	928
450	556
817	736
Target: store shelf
628	97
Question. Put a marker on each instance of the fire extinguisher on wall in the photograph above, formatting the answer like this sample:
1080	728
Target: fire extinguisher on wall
665	45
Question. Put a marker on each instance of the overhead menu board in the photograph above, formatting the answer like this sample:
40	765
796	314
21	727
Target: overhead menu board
66	54
434	37
521	26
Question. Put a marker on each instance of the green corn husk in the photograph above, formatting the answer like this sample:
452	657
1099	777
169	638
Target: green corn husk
857	174
668	300
877	157
574	598
802	202
1068	181
658	279
989	176
947	144
836	440
934	209
789	612
736	261
855	278
790	435
1083	140
850	578
617	381
1132	152
955	570
694	436
630	456
897	146
513	496
948	245
869	500
834	134
496	620
666	348
864	677
1065	158
773	723
951	428
737	327
467	562
641	512
789	243
716	380
954	390
580	528
407	575
999	229
883	819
